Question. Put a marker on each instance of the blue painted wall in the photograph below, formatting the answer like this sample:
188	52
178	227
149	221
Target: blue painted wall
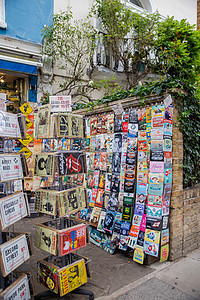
26	18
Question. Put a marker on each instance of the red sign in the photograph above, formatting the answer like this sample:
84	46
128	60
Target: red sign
72	239
73	164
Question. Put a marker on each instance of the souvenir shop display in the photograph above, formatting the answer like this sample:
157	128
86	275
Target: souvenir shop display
62	166
129	179
15	248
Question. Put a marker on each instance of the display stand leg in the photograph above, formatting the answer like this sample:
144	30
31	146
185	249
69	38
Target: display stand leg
2	279
81	291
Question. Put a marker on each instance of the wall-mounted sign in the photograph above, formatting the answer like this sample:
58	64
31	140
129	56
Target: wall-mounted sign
9	125
13	253
12	209
18	290
72	239
60	103
10	167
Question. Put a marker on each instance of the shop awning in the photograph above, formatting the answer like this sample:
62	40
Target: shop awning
19	65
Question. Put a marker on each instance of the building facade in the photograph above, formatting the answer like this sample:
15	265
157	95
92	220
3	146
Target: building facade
23	73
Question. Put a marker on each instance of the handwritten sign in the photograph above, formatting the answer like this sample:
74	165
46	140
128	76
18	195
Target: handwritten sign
13	253
10	167
9	125
60	103
18	290
12	209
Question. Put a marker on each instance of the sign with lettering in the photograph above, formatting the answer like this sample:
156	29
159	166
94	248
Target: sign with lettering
13	253
10	167
71	163
12	209
9	125
60	103
46	239
72	239
18	290
72	276
44	164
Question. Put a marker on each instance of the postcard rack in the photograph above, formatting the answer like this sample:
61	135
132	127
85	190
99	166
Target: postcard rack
63	271
15	248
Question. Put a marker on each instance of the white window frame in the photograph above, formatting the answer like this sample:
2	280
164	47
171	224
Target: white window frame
3	24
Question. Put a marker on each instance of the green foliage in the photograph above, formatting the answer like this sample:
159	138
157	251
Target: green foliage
70	43
129	36
177	49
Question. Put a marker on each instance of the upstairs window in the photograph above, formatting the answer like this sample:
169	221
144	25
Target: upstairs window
2	14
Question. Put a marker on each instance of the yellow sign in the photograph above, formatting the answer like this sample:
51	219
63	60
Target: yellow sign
28	123
26	141
26	109
26	151
138	254
72	276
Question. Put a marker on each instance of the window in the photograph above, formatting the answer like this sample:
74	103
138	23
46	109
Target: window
141	5
136	2
2	14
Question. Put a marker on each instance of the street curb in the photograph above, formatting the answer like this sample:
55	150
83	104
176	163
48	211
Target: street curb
136	283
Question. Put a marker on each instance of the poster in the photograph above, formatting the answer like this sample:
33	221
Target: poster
12	209
13	253
72	276
10	167
19	289
72	239
46	239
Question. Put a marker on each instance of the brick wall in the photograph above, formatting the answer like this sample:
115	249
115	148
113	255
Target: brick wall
185	211
191	221
176	214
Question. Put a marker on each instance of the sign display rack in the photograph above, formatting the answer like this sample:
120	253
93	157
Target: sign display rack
63	271
14	248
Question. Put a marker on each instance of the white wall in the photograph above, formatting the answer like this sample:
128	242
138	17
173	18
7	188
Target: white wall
80	8
180	9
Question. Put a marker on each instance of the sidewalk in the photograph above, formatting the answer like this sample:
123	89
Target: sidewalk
170	280
119	277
